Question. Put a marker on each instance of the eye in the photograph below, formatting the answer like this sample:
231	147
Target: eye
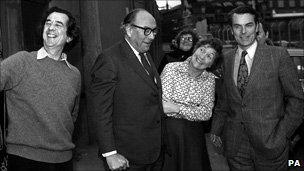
147	31
237	27
58	25
47	23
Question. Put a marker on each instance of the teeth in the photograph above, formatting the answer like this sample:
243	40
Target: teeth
199	60
51	35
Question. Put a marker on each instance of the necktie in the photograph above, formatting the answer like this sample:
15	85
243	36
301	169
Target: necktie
146	65
242	78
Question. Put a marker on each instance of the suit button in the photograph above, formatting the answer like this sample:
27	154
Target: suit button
158	121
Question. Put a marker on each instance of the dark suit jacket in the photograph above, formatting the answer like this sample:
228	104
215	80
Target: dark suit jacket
127	105
272	106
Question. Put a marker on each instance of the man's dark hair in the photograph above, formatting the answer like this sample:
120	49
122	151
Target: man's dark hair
217	45
243	10
130	17
73	30
184	32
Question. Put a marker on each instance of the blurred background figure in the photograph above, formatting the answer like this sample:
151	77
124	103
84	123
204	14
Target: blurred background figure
263	34
182	46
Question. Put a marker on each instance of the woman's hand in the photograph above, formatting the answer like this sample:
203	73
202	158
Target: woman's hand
170	107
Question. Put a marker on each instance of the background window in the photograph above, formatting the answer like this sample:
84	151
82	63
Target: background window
292	3
280	3
162	4
302	3
270	4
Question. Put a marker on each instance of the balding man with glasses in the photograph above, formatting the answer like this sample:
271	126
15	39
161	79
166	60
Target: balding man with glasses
126	92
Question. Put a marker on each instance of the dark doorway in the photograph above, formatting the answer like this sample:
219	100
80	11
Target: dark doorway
32	11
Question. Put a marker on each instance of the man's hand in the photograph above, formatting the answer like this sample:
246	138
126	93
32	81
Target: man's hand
117	162
170	107
217	142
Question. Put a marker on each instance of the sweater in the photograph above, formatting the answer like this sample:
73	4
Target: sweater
42	103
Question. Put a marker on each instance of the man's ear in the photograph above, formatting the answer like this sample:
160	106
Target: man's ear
128	30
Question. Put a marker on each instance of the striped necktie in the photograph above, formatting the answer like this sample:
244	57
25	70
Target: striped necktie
147	66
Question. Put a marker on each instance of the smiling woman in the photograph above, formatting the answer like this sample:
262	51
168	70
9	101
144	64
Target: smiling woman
188	97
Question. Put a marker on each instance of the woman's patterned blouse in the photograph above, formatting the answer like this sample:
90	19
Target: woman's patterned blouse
194	95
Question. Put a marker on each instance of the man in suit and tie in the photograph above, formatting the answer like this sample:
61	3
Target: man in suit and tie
126	92
261	103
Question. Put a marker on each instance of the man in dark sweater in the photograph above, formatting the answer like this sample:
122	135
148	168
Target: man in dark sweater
42	90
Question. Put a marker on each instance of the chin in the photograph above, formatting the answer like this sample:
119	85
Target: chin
245	44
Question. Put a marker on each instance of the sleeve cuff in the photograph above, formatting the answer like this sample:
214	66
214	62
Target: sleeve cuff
109	153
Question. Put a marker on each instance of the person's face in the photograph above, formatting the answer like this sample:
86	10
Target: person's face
54	31
186	42
136	36
203	57
244	29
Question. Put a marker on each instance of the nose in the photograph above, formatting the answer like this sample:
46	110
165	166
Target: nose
243	30
52	26
152	36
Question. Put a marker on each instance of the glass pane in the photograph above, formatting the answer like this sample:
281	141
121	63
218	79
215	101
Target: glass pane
270	4
280	3
292	3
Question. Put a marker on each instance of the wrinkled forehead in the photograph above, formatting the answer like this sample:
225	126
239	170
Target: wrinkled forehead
145	19
242	18
208	48
58	17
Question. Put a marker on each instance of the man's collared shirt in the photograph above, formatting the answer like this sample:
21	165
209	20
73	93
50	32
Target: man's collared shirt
249	59
42	53
137	53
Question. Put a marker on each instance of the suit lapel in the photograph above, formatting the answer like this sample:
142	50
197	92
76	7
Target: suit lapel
134	63
256	65
257	62
230	72
158	81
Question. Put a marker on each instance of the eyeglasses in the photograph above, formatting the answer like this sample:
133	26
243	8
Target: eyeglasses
190	39
147	30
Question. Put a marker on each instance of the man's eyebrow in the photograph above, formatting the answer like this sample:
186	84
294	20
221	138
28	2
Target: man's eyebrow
59	22
55	21
249	23
237	24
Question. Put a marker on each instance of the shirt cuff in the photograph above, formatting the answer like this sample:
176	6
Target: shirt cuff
109	153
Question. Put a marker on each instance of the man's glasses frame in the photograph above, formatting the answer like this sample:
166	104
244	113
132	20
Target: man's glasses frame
147	30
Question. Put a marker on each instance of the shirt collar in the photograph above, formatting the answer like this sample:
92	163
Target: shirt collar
42	53
250	51
134	50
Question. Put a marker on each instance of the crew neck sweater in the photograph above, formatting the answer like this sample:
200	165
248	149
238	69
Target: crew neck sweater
42	103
